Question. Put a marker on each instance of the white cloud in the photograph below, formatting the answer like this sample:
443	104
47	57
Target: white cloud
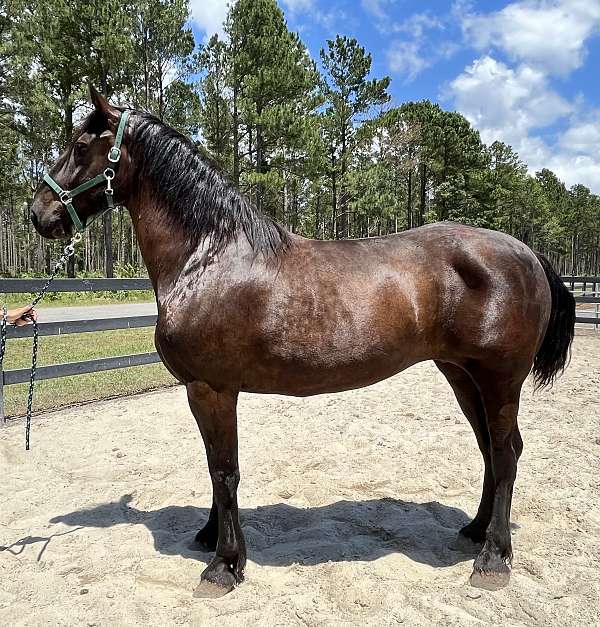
569	164
418	23
548	34
583	136
376	8
416	52
329	20
404	58
295	6
500	100
509	105
577	159
209	15
576	169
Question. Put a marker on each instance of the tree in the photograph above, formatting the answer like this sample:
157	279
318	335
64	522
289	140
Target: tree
164	51
325	155
273	86
348	94
215	112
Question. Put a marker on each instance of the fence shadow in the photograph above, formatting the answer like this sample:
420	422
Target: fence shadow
281	534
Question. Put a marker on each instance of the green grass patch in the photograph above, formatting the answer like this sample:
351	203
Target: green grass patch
78	299
55	393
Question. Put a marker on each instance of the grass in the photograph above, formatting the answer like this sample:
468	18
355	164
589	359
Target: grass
66	299
56	393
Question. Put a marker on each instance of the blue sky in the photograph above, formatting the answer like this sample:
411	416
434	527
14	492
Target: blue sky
526	72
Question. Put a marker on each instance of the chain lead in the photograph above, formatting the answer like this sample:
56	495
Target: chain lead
68	251
3	337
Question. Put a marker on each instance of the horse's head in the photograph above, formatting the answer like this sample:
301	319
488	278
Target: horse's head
63	202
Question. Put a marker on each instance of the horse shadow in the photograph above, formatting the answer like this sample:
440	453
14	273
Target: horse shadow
281	534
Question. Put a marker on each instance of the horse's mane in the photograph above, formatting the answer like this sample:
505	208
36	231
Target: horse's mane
195	193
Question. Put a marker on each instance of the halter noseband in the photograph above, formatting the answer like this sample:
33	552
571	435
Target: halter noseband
114	155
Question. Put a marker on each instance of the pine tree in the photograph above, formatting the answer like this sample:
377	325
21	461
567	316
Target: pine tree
273	85
348	94
215	114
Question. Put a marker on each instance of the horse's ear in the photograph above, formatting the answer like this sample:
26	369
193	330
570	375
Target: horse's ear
102	105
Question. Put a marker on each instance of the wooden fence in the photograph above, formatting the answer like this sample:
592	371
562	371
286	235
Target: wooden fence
581	284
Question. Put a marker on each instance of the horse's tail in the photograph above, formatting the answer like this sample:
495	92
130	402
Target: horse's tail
555	351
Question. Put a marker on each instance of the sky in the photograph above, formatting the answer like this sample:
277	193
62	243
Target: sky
525	72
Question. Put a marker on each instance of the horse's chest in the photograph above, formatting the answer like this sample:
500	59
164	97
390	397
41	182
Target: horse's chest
192	345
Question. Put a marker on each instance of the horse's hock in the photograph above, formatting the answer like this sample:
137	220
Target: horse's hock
349	503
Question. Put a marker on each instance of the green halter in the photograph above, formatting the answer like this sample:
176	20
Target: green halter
66	196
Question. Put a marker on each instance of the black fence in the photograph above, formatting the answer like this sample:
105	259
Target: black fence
586	291
14	286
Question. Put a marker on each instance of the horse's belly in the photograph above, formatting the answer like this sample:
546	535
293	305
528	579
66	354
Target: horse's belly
316	372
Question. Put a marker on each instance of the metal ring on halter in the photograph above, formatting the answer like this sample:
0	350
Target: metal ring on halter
114	154
109	173
76	238
65	197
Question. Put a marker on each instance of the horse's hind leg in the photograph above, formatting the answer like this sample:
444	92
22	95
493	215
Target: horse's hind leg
216	416
501	393
470	401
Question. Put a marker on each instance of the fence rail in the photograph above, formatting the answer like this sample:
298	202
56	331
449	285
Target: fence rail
83	326
56	371
13	286
587	292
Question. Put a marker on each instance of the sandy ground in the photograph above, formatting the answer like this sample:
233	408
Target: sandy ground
350	504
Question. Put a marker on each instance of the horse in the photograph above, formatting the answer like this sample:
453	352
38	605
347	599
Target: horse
244	305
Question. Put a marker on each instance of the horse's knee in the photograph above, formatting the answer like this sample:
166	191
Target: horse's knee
226	479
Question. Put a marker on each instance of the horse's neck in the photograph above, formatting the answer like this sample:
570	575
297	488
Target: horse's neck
163	244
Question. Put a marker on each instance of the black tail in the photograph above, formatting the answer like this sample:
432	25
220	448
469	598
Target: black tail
555	351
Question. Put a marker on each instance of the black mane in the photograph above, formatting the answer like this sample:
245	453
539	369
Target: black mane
195	193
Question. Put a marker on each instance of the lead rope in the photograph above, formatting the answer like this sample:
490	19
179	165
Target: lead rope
3	336
68	251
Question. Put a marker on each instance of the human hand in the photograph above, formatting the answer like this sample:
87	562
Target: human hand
21	316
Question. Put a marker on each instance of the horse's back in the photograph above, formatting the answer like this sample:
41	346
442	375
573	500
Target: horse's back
451	288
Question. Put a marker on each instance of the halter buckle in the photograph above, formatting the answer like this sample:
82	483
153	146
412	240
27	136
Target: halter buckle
114	154
65	197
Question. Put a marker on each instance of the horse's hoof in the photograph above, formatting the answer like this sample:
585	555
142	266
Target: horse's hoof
490	571
210	590
490	580
217	580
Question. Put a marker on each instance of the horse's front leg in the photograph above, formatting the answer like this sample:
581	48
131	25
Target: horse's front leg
206	538
215	413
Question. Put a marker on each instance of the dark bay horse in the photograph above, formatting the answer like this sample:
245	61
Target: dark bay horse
246	306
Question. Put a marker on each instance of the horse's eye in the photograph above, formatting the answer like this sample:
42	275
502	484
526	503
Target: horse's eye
80	150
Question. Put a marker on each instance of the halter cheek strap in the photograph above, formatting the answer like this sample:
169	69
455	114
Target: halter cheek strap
114	156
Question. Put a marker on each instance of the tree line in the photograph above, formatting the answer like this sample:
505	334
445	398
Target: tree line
316	143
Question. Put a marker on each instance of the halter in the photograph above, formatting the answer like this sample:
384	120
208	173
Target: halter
66	196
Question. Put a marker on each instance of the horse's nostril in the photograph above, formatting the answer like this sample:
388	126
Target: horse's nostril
34	219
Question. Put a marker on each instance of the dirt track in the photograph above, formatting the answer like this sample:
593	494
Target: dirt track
350	504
